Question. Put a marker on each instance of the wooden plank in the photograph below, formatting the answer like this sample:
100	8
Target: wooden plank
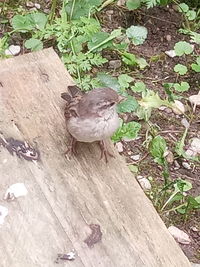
65	197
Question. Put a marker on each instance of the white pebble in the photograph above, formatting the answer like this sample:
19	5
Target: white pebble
119	147
13	50
15	191
179	235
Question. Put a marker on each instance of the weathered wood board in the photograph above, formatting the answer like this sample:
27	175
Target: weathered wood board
66	196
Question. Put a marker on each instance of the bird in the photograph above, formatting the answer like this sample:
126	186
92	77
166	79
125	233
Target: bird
91	117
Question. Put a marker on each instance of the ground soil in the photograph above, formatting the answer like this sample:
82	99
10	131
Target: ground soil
162	24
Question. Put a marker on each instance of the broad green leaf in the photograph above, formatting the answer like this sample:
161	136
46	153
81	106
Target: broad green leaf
22	23
99	38
81	8
142	63
151	100
183	7
191	14
108	81
183	87
196	67
133	4
157	149
33	44
137	34
182	48
182	186
139	87
127	131
180	69
129	59
38	20
128	105
124	80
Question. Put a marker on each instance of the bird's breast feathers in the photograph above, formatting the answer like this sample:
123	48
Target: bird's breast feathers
90	130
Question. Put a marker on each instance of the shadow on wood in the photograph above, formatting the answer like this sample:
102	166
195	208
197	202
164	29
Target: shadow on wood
67	198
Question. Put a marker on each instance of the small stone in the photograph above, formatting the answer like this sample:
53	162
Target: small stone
185	123
178	107
121	2
170	53
29	4
179	235
46	10
13	50
177	166
168	37
38	6
195	99
135	157
168	110
194	229
170	157
186	165
144	182
115	64
195	264
162	108
109	12
33	9
194	148
119	147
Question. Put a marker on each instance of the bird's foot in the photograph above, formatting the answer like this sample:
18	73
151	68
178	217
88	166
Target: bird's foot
71	150
104	151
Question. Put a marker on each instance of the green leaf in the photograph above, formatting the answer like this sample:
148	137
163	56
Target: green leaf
133	4
180	69
81	8
183	87
152	100
25	23
142	63
183	7
33	44
182	186
22	23
139	87
128	130
108	81
128	105
124	80
129	59
38	20
182	48
157	149
137	34
191	14
99	38
195	67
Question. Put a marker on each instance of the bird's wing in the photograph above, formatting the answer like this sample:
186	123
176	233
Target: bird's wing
72	98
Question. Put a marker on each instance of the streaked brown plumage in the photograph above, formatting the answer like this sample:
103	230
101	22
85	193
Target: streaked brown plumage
92	116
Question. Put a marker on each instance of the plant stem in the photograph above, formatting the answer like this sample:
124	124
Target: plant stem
72	9
52	12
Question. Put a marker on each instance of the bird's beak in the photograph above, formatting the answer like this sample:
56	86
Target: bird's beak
121	98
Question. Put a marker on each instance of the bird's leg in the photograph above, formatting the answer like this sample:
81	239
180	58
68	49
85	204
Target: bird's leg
104	151
72	146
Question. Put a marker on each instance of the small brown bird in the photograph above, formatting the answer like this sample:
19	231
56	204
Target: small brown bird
91	116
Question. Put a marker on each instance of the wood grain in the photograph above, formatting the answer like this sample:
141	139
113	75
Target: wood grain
66	196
